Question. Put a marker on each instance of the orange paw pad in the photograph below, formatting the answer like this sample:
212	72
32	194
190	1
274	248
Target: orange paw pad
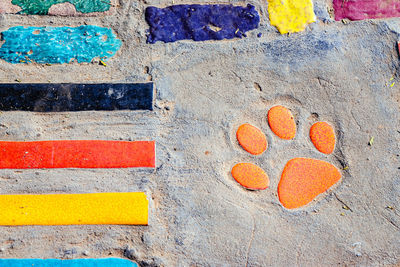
303	179
282	123
251	139
250	176
323	137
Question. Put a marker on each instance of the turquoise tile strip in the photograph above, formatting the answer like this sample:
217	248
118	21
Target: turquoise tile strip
58	45
40	7
107	262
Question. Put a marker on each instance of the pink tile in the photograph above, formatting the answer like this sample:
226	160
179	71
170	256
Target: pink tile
366	9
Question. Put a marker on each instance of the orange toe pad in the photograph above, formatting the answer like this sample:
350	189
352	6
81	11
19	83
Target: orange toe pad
282	123
323	137
251	139
303	179
250	176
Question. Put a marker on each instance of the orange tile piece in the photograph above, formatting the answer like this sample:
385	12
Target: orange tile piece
77	154
323	137
250	176
282	123
251	139
303	179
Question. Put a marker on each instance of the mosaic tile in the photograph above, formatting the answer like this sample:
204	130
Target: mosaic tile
47	97
58	45
200	22
77	154
73	209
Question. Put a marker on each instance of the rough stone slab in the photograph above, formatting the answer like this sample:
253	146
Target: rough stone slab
46	97
58	45
58	7
77	154
106	262
74	209
361	9
200	22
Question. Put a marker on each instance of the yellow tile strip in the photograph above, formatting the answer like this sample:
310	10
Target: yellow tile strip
69	209
291	15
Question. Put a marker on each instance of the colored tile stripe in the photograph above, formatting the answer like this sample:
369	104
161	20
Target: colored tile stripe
291	15
71	209
362	9
200	22
76	154
107	262
75	97
58	45
55	7
398	47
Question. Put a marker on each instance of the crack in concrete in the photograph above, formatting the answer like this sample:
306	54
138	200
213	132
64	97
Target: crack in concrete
355	120
251	240
391	222
343	203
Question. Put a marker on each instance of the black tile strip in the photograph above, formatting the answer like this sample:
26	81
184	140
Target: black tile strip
48	97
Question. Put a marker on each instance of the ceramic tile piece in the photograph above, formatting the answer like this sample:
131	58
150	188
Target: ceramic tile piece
251	139
250	176
291	15
58	45
49	97
366	9
200	22
323	137
281	122
398	47
71	209
303	179
57	7
77	154
106	262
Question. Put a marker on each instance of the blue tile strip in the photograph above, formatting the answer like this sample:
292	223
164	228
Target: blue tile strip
107	262
200	22
58	45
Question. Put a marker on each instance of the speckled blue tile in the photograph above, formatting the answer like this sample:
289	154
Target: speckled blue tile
200	22
108	262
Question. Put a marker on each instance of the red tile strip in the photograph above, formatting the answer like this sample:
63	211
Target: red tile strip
77	154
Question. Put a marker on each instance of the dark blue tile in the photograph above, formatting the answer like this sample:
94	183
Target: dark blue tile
200	22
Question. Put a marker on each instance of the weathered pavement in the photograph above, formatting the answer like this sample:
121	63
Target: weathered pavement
199	215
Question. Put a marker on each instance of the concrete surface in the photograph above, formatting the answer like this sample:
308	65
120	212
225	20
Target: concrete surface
333	71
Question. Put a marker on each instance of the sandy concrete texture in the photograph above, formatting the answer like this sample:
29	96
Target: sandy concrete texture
199	216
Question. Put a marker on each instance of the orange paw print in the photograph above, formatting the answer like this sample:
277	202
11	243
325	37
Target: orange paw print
302	179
